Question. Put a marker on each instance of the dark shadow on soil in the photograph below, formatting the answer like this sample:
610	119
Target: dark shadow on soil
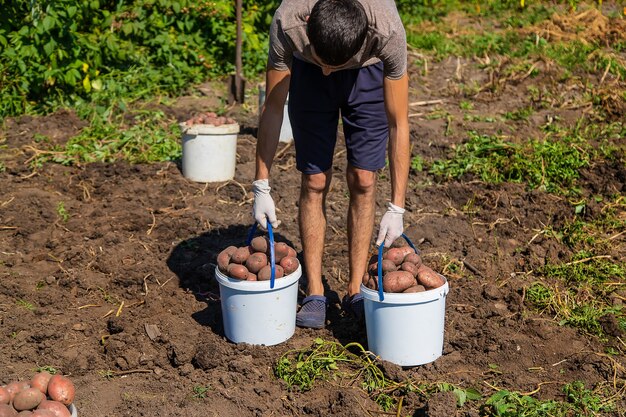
193	260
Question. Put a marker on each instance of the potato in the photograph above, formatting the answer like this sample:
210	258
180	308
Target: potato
406	250
409	267
281	249
260	244
5	396
28	399
413	258
223	259
429	278
7	411
414	289
16	386
237	271
43	413
256	261
289	264
396	255
365	279
397	281
59	410
265	274
61	388
241	255
40	381
372	284
387	264
26	413
251	277
292	252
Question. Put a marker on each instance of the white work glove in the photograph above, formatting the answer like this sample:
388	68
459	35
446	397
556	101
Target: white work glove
391	225
263	207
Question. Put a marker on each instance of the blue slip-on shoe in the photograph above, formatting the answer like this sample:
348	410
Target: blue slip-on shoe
312	313
354	305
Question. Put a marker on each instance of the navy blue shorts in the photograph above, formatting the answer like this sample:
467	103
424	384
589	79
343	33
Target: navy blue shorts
315	101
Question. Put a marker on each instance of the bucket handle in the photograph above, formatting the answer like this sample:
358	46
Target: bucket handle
270	232
381	294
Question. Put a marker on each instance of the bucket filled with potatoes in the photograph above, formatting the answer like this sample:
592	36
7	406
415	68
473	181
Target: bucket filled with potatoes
258	294
44	395
404	302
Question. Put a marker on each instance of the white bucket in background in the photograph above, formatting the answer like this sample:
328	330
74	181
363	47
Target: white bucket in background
209	152
254	313
286	134
73	410
406	329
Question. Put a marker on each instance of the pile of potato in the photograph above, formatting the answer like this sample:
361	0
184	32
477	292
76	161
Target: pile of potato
403	272
45	395
252	262
210	118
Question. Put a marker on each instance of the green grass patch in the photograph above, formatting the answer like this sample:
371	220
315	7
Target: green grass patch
151	138
596	234
551	164
580	293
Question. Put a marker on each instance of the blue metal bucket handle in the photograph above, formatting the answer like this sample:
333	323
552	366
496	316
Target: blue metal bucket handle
381	294
270	232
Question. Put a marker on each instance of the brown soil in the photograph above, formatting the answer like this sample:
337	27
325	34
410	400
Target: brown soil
125	286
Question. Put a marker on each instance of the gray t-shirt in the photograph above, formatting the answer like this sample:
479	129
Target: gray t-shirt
385	41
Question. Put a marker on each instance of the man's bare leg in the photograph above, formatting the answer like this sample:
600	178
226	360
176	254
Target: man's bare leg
312	220
362	186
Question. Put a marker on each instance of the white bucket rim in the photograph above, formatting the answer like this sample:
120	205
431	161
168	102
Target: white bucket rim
407	298
73	410
202	129
258	286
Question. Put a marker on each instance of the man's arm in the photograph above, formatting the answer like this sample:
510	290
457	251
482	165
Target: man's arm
397	106
276	90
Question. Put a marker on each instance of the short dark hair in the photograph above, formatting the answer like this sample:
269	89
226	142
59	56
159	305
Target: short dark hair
337	30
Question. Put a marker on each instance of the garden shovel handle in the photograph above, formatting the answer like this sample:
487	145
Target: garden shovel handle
272	253
381	293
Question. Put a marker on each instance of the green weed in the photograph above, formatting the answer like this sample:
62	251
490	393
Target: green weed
25	304
578	293
151	138
551	164
520	114
417	163
466	105
200	391
62	211
351	365
47	368
580	401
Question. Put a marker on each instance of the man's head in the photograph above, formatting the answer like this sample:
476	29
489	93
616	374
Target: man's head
337	30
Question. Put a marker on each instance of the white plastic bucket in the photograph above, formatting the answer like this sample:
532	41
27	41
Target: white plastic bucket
209	152
73	410
406	329
254	313
286	134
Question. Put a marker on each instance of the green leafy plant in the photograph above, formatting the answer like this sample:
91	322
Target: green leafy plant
47	368
200	391
62	211
54	53
552	164
26	304
580	401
